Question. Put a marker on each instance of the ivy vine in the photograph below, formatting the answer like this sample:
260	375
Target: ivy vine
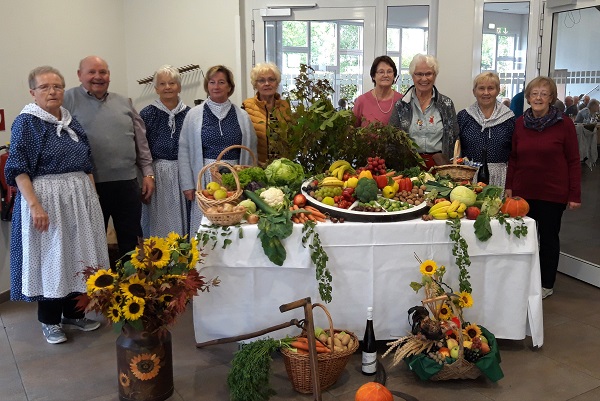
520	228
460	250
319	258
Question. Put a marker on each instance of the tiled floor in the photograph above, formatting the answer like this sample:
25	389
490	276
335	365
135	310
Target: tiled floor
567	367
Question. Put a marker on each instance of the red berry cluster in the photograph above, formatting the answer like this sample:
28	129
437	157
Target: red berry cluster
375	165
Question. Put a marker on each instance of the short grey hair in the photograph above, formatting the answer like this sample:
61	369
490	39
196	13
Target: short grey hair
45	69
169	71
428	59
262	69
593	102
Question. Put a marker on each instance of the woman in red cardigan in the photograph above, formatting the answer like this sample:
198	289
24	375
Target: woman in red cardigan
544	169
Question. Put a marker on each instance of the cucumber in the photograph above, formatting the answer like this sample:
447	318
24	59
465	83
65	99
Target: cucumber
260	203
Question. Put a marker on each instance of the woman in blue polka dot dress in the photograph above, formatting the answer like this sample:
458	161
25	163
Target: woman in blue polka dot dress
207	130
487	124
167	209
57	224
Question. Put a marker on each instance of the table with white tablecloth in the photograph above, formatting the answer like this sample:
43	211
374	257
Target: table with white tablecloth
372	264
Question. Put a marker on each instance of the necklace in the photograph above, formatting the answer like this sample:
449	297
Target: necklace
379	107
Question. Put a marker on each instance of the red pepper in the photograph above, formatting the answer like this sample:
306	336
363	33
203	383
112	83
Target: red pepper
382	181
405	184
348	194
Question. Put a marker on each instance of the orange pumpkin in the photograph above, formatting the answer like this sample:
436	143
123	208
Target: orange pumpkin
373	391
515	206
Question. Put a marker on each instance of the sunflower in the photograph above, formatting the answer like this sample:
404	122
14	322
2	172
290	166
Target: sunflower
157	251
114	313
124	379
133	309
134	287
472	331
137	259
101	280
172	239
195	253
465	300
428	267
445	312
145	366
166	298
117	298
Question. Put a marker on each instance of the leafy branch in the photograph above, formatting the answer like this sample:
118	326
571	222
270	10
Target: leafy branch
319	258
520	228
213	232
460	250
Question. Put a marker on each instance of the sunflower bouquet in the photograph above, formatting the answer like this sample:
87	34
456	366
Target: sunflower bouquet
442	345
149	287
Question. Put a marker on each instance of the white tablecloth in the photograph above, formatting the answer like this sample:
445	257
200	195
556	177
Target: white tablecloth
371	265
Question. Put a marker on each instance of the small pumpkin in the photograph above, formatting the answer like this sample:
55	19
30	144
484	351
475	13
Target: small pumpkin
515	206
373	391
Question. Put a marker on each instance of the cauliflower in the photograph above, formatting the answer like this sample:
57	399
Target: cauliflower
274	197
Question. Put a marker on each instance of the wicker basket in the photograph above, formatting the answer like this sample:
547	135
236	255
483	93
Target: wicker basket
461	368
457	172
222	219
214	171
331	365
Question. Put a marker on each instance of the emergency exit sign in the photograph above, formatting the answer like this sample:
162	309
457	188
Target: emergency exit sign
501	30
2	124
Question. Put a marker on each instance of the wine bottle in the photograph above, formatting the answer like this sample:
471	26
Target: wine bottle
369	347
483	175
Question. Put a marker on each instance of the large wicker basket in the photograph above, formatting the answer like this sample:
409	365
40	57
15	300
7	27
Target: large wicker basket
331	365
461	368
458	172
214	171
205	204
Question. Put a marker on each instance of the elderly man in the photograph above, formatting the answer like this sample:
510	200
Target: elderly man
571	107
585	116
119	147
585	102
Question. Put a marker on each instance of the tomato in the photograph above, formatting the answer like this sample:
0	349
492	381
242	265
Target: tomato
300	200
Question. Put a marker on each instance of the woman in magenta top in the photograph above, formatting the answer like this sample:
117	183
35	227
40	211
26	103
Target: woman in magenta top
378	103
544	169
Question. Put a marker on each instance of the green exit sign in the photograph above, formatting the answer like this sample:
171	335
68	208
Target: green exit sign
501	30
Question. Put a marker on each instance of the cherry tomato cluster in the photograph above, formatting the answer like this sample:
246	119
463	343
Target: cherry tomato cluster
376	165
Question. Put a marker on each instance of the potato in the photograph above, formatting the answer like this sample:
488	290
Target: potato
329	340
350	343
227	208
345	339
338	349
323	338
337	342
212	210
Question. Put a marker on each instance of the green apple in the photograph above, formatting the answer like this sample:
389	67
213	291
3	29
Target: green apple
451	343
483	339
454	352
212	187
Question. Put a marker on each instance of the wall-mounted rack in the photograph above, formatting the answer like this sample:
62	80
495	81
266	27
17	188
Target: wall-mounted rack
182	70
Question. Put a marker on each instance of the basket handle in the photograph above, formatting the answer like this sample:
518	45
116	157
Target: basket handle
457	150
201	198
331	330
227	149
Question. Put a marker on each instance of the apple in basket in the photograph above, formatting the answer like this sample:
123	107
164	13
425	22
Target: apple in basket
212	187
454	352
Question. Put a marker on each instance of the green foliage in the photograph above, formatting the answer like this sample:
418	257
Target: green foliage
319	258
272	229
245	176
460	250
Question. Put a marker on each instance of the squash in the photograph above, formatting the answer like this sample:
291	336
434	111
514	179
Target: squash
373	391
515	206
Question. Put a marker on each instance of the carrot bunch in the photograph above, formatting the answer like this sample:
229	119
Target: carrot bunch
301	346
302	215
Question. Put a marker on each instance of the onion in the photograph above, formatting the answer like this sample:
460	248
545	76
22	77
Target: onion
252	219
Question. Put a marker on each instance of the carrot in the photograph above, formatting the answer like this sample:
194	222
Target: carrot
301	351
320	219
390	173
295	220
304	346
315	212
295	207
302	339
311	217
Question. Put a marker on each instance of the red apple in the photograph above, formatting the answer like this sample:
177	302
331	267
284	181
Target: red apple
472	212
300	200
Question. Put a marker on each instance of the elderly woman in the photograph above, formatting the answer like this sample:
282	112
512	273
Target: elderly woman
266	105
487	126
377	104
544	169
57	225
207	130
167	209
587	114
426	115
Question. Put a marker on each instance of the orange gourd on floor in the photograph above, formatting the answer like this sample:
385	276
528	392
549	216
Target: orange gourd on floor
373	391
515	206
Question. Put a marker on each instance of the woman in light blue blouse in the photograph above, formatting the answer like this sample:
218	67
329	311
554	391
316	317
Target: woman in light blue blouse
167	210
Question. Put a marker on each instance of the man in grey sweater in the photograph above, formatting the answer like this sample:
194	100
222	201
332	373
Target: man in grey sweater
119	147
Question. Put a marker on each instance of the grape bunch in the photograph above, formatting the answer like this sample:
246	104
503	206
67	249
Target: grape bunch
476	343
323	192
437	357
472	355
375	165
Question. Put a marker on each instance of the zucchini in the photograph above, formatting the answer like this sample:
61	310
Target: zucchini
260	203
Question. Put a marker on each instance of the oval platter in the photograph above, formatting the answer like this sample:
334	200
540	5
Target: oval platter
365	217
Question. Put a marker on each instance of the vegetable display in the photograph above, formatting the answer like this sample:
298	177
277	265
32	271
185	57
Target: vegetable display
284	172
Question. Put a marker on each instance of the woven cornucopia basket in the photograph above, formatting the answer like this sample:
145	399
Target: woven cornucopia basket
214	171
331	365
458	172
207	204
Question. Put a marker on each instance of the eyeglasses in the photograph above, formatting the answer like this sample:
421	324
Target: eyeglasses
428	74
47	88
263	81
543	95
384	72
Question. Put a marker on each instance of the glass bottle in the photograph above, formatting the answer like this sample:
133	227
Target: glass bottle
483	174
369	347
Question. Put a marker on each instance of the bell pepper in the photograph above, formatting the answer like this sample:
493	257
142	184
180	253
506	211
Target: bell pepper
382	181
348	194
405	184
352	182
365	174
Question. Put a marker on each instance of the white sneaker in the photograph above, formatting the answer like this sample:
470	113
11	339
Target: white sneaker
546	292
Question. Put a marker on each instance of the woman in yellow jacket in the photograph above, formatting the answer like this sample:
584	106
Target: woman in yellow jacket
266	104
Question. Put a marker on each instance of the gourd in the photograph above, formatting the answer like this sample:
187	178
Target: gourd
515	206
373	391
